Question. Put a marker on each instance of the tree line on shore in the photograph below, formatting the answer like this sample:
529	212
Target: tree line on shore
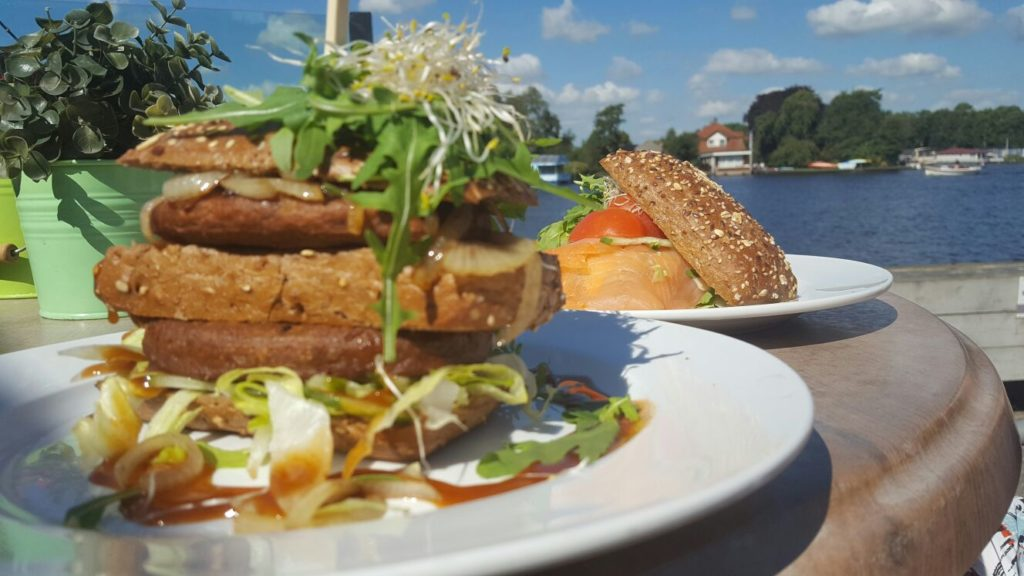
793	127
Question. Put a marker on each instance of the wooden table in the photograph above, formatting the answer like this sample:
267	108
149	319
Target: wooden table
911	466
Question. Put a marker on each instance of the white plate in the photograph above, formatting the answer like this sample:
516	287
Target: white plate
727	417
822	283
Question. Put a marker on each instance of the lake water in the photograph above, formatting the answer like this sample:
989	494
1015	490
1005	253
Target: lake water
885	218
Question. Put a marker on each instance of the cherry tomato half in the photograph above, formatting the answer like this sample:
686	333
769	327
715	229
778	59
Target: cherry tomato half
612	222
627	203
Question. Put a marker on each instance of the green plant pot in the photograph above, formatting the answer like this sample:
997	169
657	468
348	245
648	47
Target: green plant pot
69	222
15	277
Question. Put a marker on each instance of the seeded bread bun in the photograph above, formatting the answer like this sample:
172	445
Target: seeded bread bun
730	251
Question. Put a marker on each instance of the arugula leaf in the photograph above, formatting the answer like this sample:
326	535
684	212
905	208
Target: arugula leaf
88	514
309	150
281	149
404	148
557	233
596	431
710	300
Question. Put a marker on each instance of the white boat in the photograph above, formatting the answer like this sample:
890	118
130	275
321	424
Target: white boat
950	170
552	168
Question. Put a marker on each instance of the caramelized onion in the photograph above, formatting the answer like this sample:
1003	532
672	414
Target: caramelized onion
135	467
490	259
267	188
191	185
255	188
308	191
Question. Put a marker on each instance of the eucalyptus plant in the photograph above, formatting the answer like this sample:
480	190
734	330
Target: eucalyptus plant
80	86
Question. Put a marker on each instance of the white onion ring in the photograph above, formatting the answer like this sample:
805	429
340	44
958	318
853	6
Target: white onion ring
145	220
164	477
191	185
303	508
487	259
532	279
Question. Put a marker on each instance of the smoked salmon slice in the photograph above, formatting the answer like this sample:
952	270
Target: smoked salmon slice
598	276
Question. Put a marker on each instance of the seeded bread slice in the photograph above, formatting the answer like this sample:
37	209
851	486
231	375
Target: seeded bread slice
331	288
730	251
218	146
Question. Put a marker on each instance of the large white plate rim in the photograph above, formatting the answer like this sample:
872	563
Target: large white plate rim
568	542
816	293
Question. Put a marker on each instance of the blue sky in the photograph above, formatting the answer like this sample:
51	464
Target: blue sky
675	63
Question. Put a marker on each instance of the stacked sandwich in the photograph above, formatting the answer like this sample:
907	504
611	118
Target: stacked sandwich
355	251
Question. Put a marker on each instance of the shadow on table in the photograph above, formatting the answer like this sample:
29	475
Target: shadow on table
825	326
761	534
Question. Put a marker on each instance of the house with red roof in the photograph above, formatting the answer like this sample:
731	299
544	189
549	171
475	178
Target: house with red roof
722	150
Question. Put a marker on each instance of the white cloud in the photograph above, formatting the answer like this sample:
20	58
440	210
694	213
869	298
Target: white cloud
743	13
561	22
281	28
392	6
607	93
623	69
719	108
637	28
980	98
1015	17
655	96
526	67
757	61
851	17
647	120
910	64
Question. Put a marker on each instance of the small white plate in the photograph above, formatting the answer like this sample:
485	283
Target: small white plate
727	417
822	283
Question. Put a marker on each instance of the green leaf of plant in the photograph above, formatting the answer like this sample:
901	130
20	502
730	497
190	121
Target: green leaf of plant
178	4
77	17
55	62
87	63
102	33
35	166
22	65
123	32
159	8
281	149
117	59
177	21
162	107
87	140
100	12
52	84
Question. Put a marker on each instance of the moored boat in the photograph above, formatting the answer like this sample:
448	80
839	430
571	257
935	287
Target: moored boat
951	170
552	168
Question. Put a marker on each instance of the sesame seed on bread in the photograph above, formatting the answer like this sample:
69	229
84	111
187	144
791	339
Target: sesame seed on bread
730	251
